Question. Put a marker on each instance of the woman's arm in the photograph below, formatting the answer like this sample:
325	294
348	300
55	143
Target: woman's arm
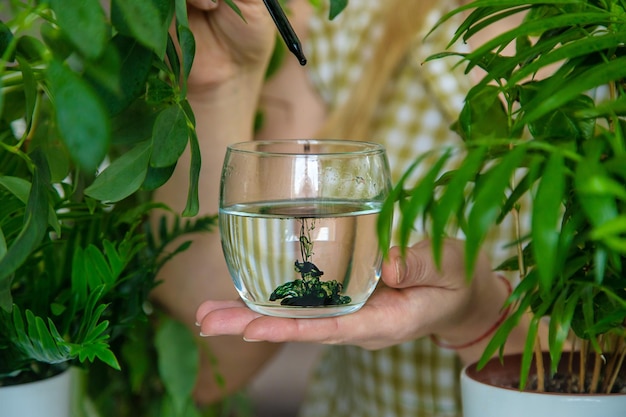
224	90
227	87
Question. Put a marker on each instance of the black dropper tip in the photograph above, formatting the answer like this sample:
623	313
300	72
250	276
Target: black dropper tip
296	49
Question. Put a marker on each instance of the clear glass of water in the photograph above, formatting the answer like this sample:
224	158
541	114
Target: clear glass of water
298	224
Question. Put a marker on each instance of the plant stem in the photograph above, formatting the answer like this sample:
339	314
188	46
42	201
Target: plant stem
611	346
595	378
570	361
541	384
621	353
583	365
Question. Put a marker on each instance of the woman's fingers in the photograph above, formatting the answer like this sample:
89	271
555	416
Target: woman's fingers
228	45
203	4
415	299
383	321
417	267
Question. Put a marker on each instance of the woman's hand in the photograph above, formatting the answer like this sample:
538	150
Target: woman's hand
228	46
414	300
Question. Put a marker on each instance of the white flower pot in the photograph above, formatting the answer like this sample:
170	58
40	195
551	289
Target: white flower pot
483	399
51	397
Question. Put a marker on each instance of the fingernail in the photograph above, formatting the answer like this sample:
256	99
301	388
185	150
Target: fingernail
197	324
245	339
203	335
400	270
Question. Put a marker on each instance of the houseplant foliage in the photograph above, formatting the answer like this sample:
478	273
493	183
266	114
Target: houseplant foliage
543	139
93	116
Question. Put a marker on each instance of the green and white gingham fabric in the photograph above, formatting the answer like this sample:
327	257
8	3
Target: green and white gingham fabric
416	378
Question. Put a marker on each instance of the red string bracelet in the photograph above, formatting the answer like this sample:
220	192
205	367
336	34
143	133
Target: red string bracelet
483	336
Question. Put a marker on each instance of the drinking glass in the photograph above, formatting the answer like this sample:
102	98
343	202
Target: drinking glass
297	222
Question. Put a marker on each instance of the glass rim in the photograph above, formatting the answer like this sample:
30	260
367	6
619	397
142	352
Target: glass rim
360	147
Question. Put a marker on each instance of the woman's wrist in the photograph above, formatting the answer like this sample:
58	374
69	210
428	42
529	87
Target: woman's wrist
225	111
488	313
244	86
479	337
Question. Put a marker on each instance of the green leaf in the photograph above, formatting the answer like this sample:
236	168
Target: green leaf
193	205
178	359
33	229
588	314
181	12
169	138
19	327
80	276
6	298
501	335
421	196
30	90
59	158
107	356
560	324
384	222
115	261
235	8
20	188
56	40
483	116
123	177
3	244
584	46
17	186
96	264
563	121
156	177
144	21
91	275
32	49
42	337
131	74
600	184
547	209
84	24
385	217
528	354
138	361
37	341
134	124
611	228
6	40
173	59
91	313
86	136
2	97
534	27
336	7
594	192
489	198
187	45
453	198
570	88
500	67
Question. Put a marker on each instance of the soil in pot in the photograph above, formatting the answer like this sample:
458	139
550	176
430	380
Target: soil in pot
565	381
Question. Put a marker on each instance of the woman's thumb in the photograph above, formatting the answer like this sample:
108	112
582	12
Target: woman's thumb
415	267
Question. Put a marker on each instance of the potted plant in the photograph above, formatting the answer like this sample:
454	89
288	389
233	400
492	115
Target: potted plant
543	140
93	116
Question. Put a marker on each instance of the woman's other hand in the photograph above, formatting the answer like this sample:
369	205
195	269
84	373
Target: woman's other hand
228	45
